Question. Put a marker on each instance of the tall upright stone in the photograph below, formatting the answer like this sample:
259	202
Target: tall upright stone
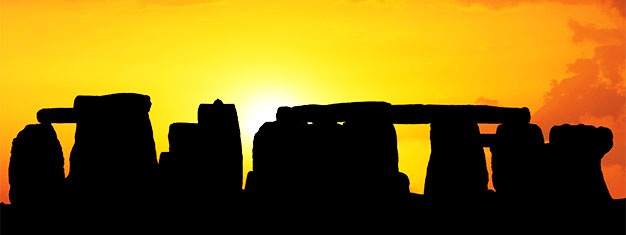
114	156
516	161
373	157
36	173
220	125
185	165
204	164
457	165
576	152
276	160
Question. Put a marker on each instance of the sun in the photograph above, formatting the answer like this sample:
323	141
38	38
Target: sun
261	109
267	88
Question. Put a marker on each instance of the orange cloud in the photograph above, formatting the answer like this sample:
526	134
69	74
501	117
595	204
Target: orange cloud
486	101
143	3
590	32
594	95
597	88
588	93
176	2
617	5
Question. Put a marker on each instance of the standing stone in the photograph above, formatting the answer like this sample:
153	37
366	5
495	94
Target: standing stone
457	165
576	153
114	156
219	124
165	178
373	154
204	164
306	154
516	160
36	170
185	165
277	160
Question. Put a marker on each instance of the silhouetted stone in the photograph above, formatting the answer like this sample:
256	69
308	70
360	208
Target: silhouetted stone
220	124
307	154
457	165
8	222
114	156
576	153
373	156
487	140
323	162
276	162
306	164
186	163
185	138
166	180
57	115
292	158
516	160
36	170
333	112
405	114
424	114
164	161
204	164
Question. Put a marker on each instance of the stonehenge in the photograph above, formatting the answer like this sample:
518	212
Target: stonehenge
337	158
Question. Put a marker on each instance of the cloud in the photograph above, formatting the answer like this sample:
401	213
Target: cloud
588	93
165	3
594	95
373	3
486	101
590	32
176	2
182	2
597	87
614	5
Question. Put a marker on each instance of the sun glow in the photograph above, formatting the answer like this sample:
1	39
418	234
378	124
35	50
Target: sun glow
262	108
260	55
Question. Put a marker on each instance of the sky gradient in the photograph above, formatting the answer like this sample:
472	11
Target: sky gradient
564	60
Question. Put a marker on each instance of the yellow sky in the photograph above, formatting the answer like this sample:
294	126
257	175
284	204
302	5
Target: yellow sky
270	53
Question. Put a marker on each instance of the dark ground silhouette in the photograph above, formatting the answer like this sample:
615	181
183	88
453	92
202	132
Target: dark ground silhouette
315	167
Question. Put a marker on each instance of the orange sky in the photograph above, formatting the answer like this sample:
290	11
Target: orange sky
562	59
